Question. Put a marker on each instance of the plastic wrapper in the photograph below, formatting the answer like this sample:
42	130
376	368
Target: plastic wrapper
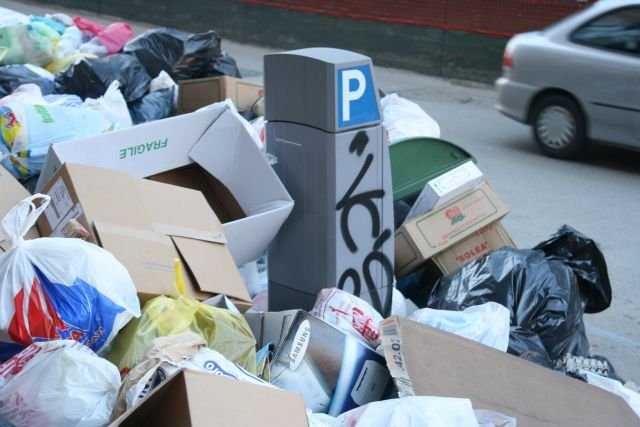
349	314
182	55
487	323
542	295
27	131
14	76
224	331
587	262
90	78
166	355
405	119
57	288
27	43
58	384
155	105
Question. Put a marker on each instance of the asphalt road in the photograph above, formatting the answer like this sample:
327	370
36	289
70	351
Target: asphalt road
599	195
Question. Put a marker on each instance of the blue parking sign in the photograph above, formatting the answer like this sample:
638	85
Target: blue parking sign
357	102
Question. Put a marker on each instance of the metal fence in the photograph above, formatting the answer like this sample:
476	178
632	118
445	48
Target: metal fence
492	17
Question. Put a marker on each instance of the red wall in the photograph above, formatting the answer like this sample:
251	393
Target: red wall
493	17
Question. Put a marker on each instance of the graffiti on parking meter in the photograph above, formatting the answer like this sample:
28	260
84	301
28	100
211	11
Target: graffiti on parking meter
374	255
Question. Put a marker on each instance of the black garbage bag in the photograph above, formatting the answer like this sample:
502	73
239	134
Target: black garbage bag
155	105
90	78
183	55
13	76
542	294
587	262
224	65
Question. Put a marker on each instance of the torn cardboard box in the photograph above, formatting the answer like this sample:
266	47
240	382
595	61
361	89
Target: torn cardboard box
428	362
480	243
333	371
270	327
145	225
197	93
439	229
11	192
198	399
209	150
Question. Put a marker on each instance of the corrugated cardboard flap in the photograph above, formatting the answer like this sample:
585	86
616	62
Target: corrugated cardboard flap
212	267
429	362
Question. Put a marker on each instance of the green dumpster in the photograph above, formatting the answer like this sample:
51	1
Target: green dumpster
415	161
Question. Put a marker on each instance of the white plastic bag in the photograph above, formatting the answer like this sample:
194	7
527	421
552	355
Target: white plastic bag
11	17
405	119
631	397
68	44
487	323
113	104
27	131
410	411
350	314
58	384
28	93
57	288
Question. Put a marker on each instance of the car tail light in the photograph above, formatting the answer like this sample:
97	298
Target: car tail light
507	59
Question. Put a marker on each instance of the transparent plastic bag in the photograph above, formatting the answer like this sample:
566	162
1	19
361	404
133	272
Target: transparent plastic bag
224	331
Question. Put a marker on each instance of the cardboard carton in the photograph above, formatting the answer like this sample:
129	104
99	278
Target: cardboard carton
441	228
480	243
11	192
197	93
198	399
145	225
333	371
209	150
428	362
445	187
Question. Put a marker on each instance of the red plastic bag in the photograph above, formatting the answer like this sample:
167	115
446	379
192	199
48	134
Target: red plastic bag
87	25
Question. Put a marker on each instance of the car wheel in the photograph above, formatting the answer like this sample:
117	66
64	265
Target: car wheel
559	127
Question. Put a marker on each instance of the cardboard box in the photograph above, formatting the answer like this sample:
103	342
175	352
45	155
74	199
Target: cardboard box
428	362
198	399
11	192
145	225
445	187
209	150
439	229
480	243
333	371
197	93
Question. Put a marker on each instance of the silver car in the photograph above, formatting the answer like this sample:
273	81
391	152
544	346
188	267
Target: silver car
578	80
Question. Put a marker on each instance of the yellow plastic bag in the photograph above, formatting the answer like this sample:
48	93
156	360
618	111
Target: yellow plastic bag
224	331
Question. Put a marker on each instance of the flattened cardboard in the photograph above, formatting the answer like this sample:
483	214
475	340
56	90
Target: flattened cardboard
480	243
197	93
333	371
428	362
12	192
199	399
439	229
216	140
145	225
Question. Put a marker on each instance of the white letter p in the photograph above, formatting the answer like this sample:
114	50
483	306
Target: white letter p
348	95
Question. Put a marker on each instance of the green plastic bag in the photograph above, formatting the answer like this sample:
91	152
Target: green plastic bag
224	331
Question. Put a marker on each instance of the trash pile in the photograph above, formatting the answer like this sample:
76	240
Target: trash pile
138	282
83	78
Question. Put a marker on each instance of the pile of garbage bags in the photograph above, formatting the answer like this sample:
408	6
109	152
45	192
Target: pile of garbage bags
83	78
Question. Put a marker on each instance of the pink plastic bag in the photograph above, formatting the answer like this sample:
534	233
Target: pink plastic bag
87	25
115	36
